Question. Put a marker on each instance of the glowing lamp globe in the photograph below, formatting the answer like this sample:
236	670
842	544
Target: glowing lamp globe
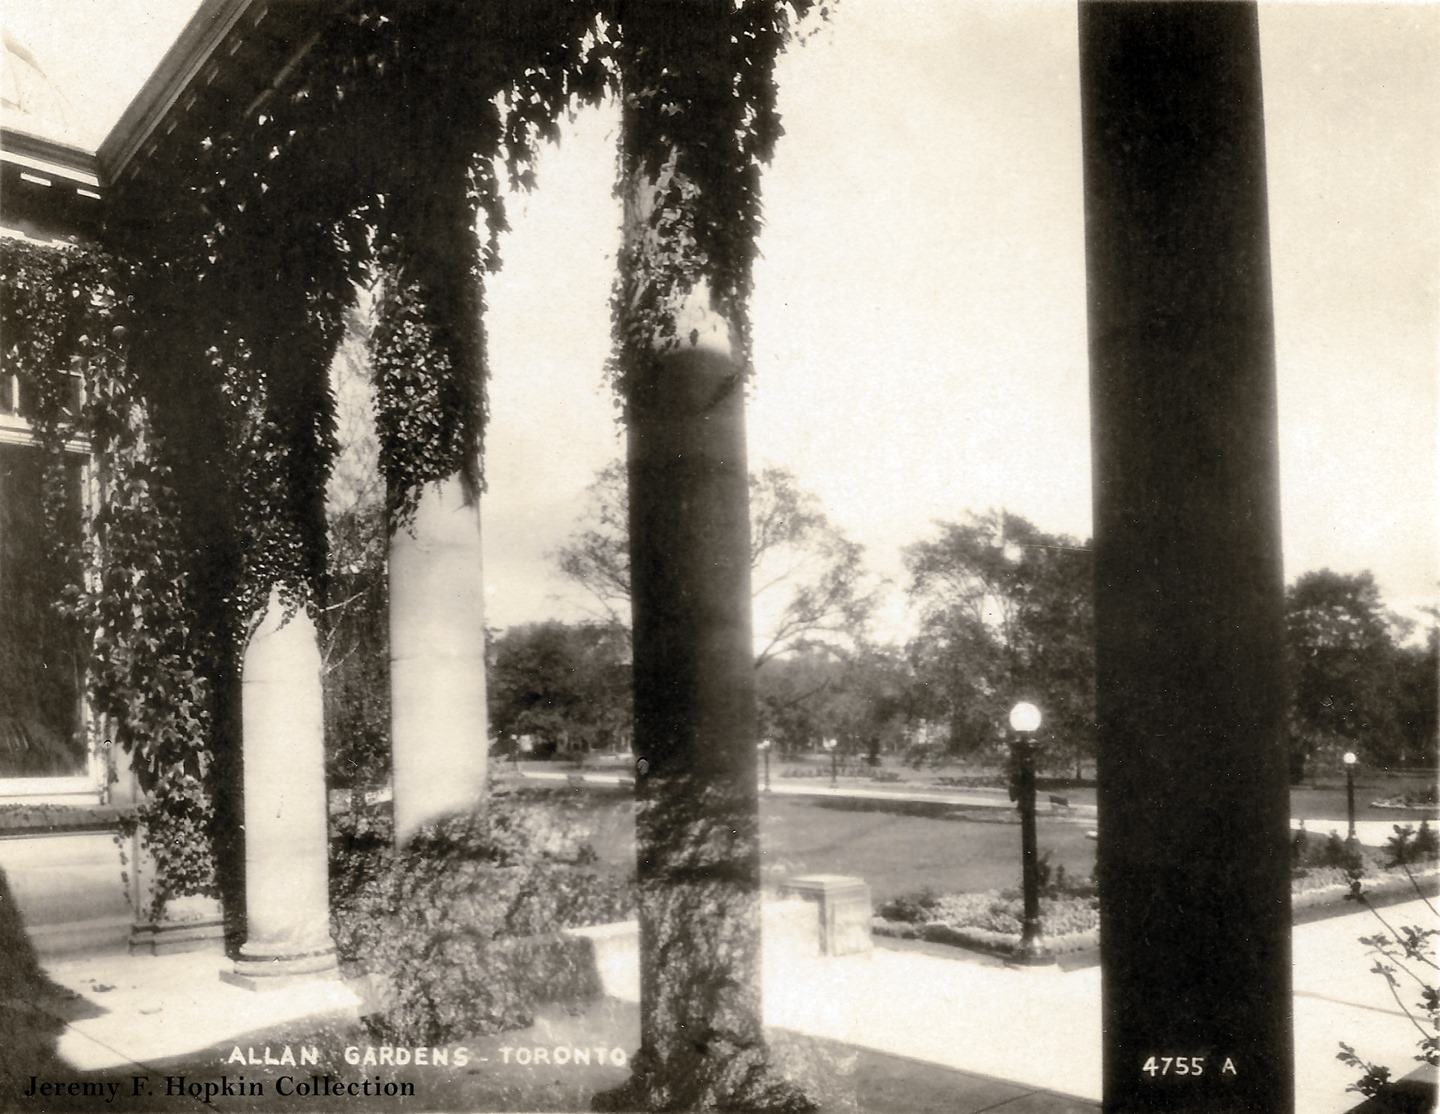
1025	717
1349	758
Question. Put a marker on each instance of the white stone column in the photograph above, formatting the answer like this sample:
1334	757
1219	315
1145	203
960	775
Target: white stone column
287	900
438	718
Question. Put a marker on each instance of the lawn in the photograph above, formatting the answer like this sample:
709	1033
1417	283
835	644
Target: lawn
894	853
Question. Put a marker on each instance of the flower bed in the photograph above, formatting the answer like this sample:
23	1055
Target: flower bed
1070	916
1329	885
992	921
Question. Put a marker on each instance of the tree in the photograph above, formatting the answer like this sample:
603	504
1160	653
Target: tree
1344	668
1419	687
807	577
794	694
875	703
566	685
1006	614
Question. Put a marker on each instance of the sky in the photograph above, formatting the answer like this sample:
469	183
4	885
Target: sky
919	304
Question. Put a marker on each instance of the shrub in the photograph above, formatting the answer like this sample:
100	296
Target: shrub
1427	844
1338	853
913	908
459	926
1409	846
1300	848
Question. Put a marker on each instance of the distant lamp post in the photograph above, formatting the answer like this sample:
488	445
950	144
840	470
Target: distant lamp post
763	746
1025	721
831	745
1349	761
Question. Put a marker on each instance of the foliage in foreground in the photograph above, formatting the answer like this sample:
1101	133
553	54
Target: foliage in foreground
1404	956
459	928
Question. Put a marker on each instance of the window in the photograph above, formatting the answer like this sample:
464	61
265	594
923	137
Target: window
42	721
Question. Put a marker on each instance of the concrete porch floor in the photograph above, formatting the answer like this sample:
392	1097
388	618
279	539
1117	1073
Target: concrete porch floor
893	1030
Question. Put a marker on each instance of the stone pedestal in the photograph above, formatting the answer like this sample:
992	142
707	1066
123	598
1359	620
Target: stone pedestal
185	924
438	718
287	905
181	924
845	910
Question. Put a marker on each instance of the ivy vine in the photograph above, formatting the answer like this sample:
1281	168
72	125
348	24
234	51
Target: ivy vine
700	120
379	155
64	310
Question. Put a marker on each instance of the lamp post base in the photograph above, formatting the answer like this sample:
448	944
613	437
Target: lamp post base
1031	952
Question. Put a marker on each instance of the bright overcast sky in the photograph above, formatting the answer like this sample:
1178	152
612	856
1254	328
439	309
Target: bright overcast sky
919	309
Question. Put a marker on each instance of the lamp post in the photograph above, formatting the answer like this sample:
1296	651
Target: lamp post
763	746
830	745
1025	721
1349	761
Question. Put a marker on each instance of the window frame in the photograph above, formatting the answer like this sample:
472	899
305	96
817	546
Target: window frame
93	785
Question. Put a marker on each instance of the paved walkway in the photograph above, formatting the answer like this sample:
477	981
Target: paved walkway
1041	1027
147	1009
819	787
1027	1037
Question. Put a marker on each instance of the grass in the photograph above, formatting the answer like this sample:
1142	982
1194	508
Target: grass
895	854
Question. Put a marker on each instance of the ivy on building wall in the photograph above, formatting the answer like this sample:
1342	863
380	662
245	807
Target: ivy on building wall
64	309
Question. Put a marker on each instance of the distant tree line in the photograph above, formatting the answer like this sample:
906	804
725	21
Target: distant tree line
1358	679
1004	613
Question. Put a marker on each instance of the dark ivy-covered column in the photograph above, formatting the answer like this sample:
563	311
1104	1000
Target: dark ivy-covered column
680	322
1193	852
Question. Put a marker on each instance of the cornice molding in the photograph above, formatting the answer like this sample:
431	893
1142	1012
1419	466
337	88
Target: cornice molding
183	64
47	155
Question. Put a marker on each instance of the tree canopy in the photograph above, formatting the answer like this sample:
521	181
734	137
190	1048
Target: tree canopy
1353	683
1006	615
809	578
567	686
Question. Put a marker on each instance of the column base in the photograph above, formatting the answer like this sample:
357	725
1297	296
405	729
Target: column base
275	972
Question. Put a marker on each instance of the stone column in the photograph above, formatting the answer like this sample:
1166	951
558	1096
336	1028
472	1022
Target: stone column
1193	845
287	901
438	718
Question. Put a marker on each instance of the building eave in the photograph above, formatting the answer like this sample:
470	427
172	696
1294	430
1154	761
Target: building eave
214	32
49	156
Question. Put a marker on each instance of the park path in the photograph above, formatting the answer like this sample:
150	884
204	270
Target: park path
1372	833
972	798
